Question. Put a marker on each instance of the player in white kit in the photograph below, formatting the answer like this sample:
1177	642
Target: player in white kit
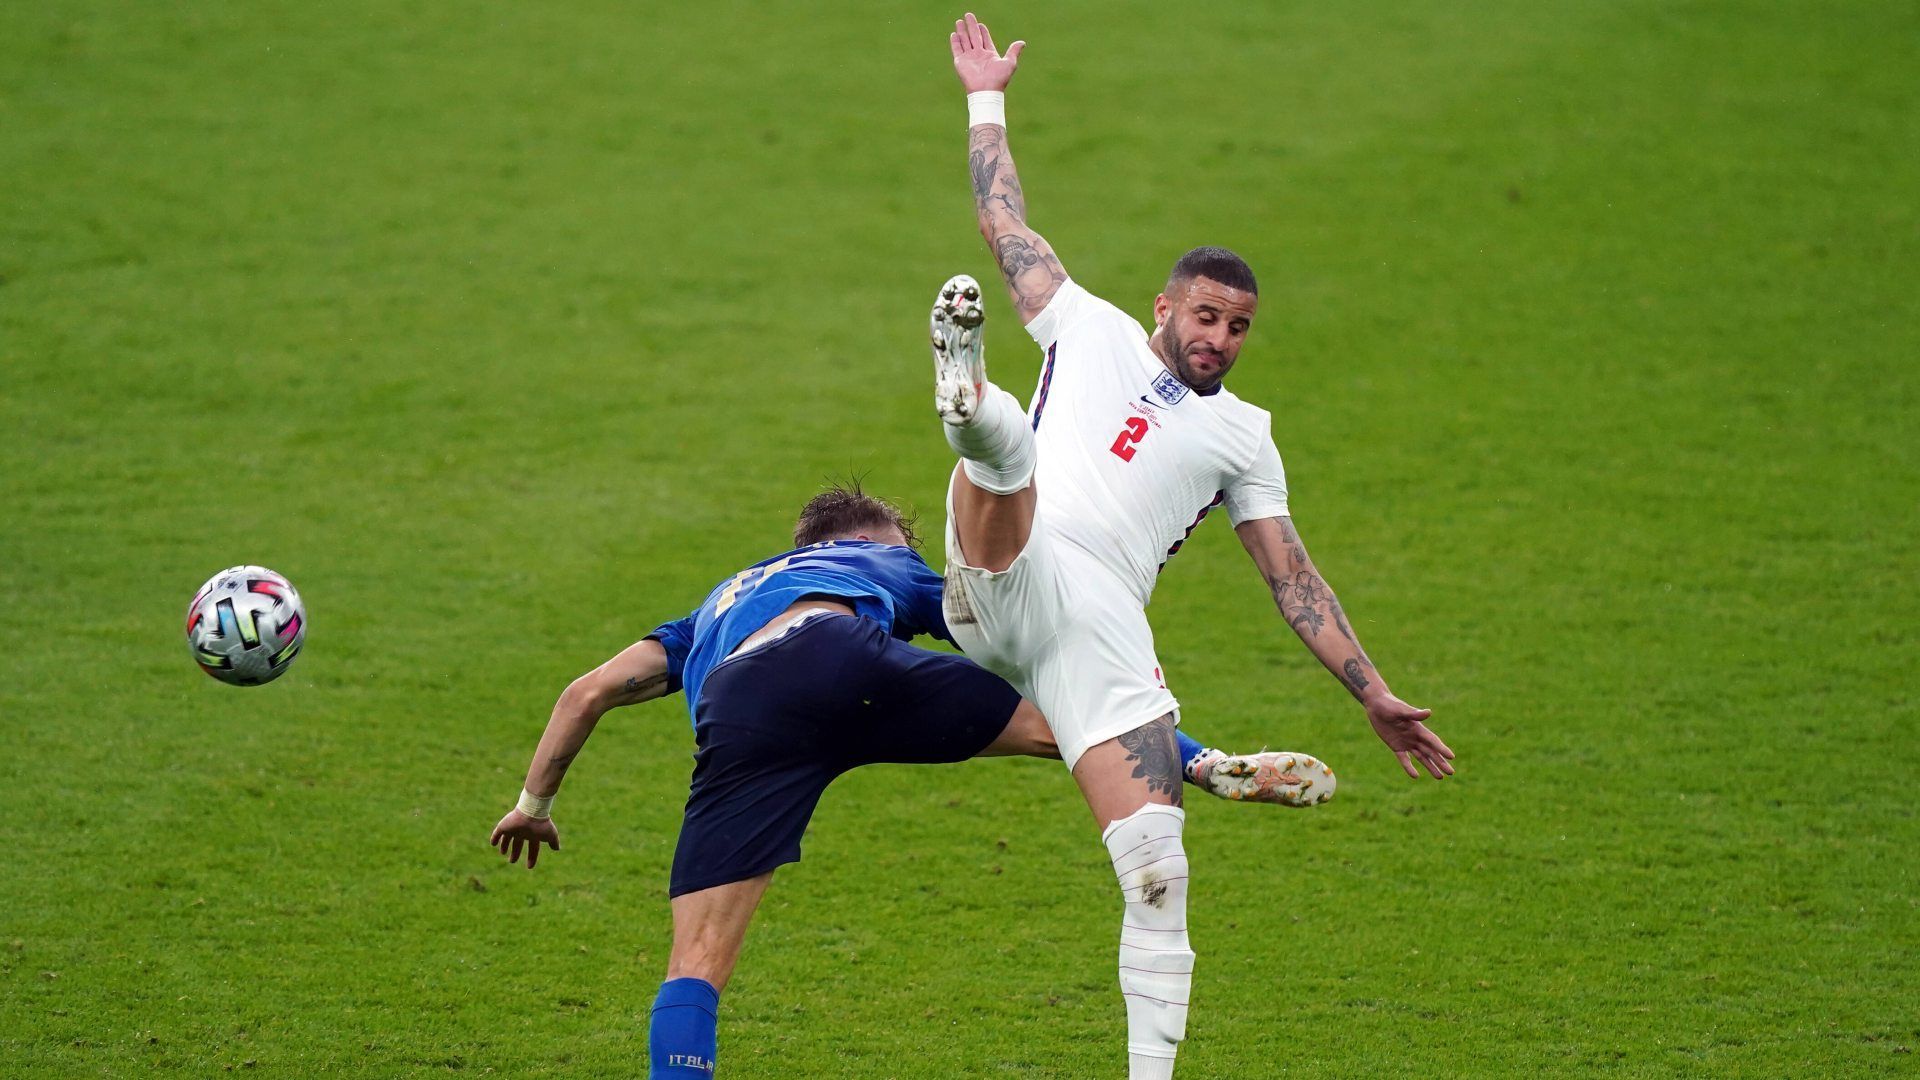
1060	517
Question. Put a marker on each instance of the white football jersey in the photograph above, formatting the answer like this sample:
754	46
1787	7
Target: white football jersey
1131	459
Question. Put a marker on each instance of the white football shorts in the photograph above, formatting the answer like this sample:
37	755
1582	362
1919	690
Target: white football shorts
1065	631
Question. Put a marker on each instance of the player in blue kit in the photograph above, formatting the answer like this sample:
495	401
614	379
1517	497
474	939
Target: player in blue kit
796	670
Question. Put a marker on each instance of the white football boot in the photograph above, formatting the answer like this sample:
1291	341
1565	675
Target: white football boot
1271	776
959	349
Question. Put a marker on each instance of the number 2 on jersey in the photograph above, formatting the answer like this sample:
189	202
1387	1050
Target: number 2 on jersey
1123	446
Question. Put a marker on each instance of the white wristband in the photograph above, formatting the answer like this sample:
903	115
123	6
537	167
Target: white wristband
535	806
987	107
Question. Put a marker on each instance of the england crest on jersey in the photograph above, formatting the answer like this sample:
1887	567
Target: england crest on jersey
1169	388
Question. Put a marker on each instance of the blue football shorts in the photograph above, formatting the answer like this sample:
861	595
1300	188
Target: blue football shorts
776	725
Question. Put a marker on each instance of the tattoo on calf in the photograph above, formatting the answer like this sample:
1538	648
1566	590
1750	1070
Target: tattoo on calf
1152	745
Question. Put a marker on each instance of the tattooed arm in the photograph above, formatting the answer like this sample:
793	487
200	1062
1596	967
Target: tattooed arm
638	674
1032	271
1309	606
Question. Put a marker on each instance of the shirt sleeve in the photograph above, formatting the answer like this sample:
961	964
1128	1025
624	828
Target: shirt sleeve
1261	491
922	611
1070	305
677	638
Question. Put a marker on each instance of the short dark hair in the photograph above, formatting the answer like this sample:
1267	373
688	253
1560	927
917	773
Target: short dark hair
1217	263
843	511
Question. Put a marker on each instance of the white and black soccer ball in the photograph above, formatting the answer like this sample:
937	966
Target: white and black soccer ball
246	625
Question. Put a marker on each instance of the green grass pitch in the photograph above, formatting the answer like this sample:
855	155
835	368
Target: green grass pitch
505	329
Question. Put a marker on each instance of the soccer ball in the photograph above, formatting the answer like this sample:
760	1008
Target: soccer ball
245	625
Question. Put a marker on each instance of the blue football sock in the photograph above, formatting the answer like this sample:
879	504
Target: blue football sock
1190	748
683	1034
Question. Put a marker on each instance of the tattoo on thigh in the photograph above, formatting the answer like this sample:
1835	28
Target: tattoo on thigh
1152	745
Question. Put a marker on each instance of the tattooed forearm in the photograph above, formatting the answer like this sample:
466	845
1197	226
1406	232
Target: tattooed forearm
983	160
1340	621
1010	195
1305	600
1032	270
1005	203
1308	604
1152	745
996	187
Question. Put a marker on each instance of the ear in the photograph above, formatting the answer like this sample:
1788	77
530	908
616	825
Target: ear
1162	307
863	536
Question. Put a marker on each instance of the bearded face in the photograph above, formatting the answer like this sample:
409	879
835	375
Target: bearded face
1202	325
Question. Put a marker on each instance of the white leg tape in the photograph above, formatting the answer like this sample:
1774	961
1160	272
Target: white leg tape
996	446
1156	959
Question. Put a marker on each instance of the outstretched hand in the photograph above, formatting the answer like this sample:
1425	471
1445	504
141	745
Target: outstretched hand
1399	726
979	65
517	830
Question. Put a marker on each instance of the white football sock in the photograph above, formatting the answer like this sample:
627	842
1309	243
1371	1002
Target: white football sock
1156	959
1142	1067
996	445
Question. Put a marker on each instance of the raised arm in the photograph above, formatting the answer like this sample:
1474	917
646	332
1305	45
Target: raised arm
639	673
1309	606
1027	262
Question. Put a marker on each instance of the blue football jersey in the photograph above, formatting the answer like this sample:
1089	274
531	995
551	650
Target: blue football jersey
890	584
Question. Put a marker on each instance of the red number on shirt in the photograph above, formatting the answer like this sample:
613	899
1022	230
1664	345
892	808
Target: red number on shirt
1123	446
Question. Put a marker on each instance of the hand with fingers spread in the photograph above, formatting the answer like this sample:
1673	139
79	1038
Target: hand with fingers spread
517	830
980	65
1399	726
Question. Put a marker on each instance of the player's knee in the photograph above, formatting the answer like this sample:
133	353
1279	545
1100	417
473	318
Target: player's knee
1150	862
1156	960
